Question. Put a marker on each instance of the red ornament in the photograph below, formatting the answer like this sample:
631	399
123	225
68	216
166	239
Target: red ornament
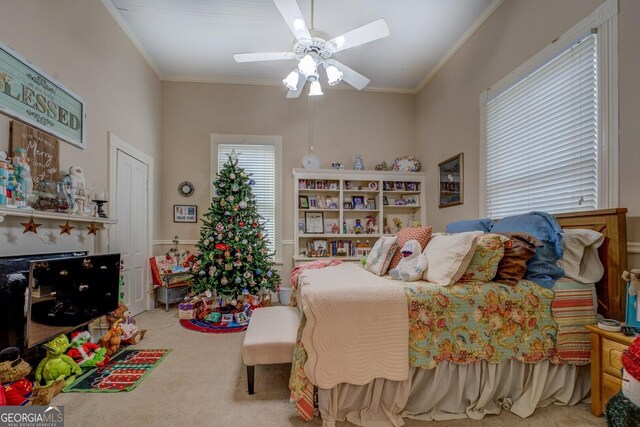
221	246
255	225
241	223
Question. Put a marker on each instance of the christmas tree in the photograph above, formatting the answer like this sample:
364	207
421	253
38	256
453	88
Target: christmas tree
233	257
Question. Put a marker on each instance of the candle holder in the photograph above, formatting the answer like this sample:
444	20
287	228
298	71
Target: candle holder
99	205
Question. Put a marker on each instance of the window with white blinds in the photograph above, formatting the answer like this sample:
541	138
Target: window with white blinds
258	160
542	149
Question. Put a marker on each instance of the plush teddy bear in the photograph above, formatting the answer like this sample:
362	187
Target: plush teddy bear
634	278
15	389
112	339
412	264
57	365
85	353
131	334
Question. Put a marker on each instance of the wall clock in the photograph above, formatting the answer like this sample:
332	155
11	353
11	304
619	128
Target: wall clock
185	188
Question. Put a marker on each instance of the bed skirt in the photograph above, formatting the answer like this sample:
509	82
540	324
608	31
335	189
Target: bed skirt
453	391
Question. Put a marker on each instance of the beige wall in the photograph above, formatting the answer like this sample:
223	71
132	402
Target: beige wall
79	44
380	126
447	109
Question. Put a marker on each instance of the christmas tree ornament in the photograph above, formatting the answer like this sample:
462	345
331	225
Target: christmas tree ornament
93	229
238	254
237	239
30	226
246	275
227	254
238	280
255	225
230	234
228	267
211	239
269	273
212	271
221	246
245	291
232	175
242	204
238	263
249	258
235	208
206	242
224	281
227	213
252	182
201	273
219	227
208	293
220	261
245	241
223	203
258	271
241	223
235	188
231	199
219	236
211	256
66	228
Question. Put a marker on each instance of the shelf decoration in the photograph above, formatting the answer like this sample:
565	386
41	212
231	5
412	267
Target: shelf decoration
93	229
30	226
66	228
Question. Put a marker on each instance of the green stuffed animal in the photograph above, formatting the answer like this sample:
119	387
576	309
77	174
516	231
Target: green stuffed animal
57	365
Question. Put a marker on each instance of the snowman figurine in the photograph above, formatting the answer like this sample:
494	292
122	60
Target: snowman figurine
357	164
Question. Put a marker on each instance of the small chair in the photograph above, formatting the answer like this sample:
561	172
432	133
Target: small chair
270	338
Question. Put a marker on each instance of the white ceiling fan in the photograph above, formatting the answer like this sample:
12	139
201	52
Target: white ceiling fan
314	50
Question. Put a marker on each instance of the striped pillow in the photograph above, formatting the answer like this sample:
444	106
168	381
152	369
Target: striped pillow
421	234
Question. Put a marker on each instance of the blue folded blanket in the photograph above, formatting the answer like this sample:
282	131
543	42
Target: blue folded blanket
483	224
542	268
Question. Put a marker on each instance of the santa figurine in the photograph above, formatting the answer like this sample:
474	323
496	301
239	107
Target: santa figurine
85	353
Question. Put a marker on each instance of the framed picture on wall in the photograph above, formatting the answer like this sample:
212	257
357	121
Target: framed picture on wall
451	181
185	213
314	222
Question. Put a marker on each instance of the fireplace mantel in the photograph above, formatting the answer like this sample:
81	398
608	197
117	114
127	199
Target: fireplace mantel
32	213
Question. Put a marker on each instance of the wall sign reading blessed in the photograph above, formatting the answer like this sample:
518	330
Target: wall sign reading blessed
30	95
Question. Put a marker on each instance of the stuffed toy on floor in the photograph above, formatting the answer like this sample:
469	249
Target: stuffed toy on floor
85	353
131	334
412	265
57	365
16	389
112	339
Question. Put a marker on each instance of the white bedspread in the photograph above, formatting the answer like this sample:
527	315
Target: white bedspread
357	326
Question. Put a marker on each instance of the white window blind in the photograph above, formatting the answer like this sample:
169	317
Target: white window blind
542	137
258	160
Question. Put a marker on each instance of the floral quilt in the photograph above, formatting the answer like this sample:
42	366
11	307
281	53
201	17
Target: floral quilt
465	323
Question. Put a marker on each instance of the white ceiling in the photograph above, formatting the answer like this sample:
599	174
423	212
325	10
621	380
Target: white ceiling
194	40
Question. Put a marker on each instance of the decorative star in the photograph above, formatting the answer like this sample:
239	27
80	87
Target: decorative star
81	238
51	238
30	226
233	156
93	229
66	228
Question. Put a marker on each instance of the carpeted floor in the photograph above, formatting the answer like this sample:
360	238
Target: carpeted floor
203	383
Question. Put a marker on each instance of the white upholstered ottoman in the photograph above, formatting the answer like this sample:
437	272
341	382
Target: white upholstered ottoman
270	338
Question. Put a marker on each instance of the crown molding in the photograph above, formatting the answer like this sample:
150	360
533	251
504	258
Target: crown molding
265	82
132	37
461	41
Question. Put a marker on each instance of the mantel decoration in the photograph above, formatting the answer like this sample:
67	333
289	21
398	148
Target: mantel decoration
451	174
32	96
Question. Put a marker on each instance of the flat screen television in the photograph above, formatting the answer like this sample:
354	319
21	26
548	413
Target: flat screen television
44	295
71	293
14	295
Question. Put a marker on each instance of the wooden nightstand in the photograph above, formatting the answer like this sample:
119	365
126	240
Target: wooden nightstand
606	366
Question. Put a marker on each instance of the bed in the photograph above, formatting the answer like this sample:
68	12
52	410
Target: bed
462	372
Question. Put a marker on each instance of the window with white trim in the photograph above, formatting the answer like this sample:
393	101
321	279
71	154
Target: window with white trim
261	159
547	141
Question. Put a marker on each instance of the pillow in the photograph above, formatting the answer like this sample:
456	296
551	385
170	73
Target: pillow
421	234
580	260
448	256
488	252
381	254
470	225
541	268
513	265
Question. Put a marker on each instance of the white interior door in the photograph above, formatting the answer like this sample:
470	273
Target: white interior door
131	231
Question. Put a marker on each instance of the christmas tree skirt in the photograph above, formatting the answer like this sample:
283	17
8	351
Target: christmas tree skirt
124	372
212	328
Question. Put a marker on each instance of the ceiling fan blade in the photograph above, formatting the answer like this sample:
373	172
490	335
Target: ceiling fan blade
301	84
293	17
266	56
350	76
367	33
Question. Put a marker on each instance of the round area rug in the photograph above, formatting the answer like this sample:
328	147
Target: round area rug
212	328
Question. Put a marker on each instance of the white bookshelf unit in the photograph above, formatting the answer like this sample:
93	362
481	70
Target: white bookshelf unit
323	220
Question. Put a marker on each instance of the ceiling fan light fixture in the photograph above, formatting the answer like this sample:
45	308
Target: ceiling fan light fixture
315	89
334	76
291	81
307	65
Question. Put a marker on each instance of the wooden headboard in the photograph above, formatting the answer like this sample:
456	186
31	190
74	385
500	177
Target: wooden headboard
613	253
